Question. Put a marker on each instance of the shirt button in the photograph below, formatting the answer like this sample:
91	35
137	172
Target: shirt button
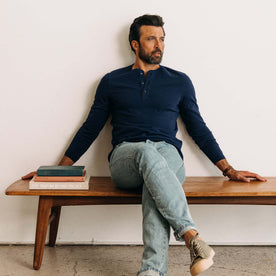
141	73
142	82
145	91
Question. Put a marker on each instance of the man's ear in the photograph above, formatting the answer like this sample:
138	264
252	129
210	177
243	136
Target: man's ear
135	45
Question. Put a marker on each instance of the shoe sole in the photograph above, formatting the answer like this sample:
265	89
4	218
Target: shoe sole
203	265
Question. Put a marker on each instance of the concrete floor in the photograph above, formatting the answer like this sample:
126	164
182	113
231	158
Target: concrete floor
125	260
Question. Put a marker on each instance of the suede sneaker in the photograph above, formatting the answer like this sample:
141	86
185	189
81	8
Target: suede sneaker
201	255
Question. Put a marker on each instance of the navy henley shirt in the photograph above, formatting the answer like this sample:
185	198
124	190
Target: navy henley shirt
144	108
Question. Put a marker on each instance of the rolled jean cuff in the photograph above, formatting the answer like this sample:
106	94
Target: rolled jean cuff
150	272
181	231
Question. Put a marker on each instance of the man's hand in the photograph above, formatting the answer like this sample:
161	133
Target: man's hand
233	174
66	161
28	176
244	176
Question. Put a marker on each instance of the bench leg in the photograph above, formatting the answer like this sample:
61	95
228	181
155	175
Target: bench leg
44	208
55	213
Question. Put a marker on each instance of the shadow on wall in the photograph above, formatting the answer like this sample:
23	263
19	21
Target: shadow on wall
124	49
102	145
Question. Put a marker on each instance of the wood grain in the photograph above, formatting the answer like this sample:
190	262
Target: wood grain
193	187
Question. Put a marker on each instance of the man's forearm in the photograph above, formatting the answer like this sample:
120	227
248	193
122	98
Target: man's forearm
66	161
223	164
226	168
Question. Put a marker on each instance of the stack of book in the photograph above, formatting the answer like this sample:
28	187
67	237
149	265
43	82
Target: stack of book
60	178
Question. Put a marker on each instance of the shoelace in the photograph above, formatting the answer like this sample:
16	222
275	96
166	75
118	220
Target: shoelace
196	250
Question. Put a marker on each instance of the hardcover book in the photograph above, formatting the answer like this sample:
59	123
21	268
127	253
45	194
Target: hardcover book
59	178
83	185
60	171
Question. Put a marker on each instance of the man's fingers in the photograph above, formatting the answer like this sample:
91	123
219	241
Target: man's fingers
28	176
260	178
244	179
246	175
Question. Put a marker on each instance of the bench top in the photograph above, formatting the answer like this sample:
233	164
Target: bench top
194	187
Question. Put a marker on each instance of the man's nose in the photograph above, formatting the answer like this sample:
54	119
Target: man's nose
157	44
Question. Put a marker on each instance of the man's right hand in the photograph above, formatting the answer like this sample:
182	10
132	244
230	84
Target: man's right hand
66	161
28	176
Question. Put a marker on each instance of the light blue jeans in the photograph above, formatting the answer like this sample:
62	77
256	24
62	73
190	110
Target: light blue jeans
156	168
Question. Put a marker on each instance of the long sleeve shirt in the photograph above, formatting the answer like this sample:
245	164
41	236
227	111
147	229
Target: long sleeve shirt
144	108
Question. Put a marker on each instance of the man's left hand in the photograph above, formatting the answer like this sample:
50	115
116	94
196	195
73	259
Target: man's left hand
233	174
244	176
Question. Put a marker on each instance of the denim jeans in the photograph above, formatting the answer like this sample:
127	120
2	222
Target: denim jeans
156	168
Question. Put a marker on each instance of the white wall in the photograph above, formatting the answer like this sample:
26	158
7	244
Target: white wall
52	56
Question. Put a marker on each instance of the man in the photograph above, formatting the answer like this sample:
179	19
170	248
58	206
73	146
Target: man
144	100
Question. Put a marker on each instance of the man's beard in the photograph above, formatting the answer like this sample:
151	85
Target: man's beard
150	58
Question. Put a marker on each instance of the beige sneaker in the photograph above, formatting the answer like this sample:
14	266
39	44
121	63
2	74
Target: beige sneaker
201	255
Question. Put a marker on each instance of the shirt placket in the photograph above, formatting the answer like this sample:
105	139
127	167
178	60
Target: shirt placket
145	83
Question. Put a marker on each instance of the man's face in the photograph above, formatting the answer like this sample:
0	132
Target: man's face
151	45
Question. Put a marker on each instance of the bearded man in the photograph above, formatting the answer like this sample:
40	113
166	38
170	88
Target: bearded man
144	101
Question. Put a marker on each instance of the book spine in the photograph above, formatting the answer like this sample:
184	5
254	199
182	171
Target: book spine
59	186
50	172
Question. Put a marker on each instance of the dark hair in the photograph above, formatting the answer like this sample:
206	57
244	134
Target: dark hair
146	19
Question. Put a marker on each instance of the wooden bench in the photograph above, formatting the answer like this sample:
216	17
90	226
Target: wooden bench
198	190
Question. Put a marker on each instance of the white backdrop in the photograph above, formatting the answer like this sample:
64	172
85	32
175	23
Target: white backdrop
52	56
